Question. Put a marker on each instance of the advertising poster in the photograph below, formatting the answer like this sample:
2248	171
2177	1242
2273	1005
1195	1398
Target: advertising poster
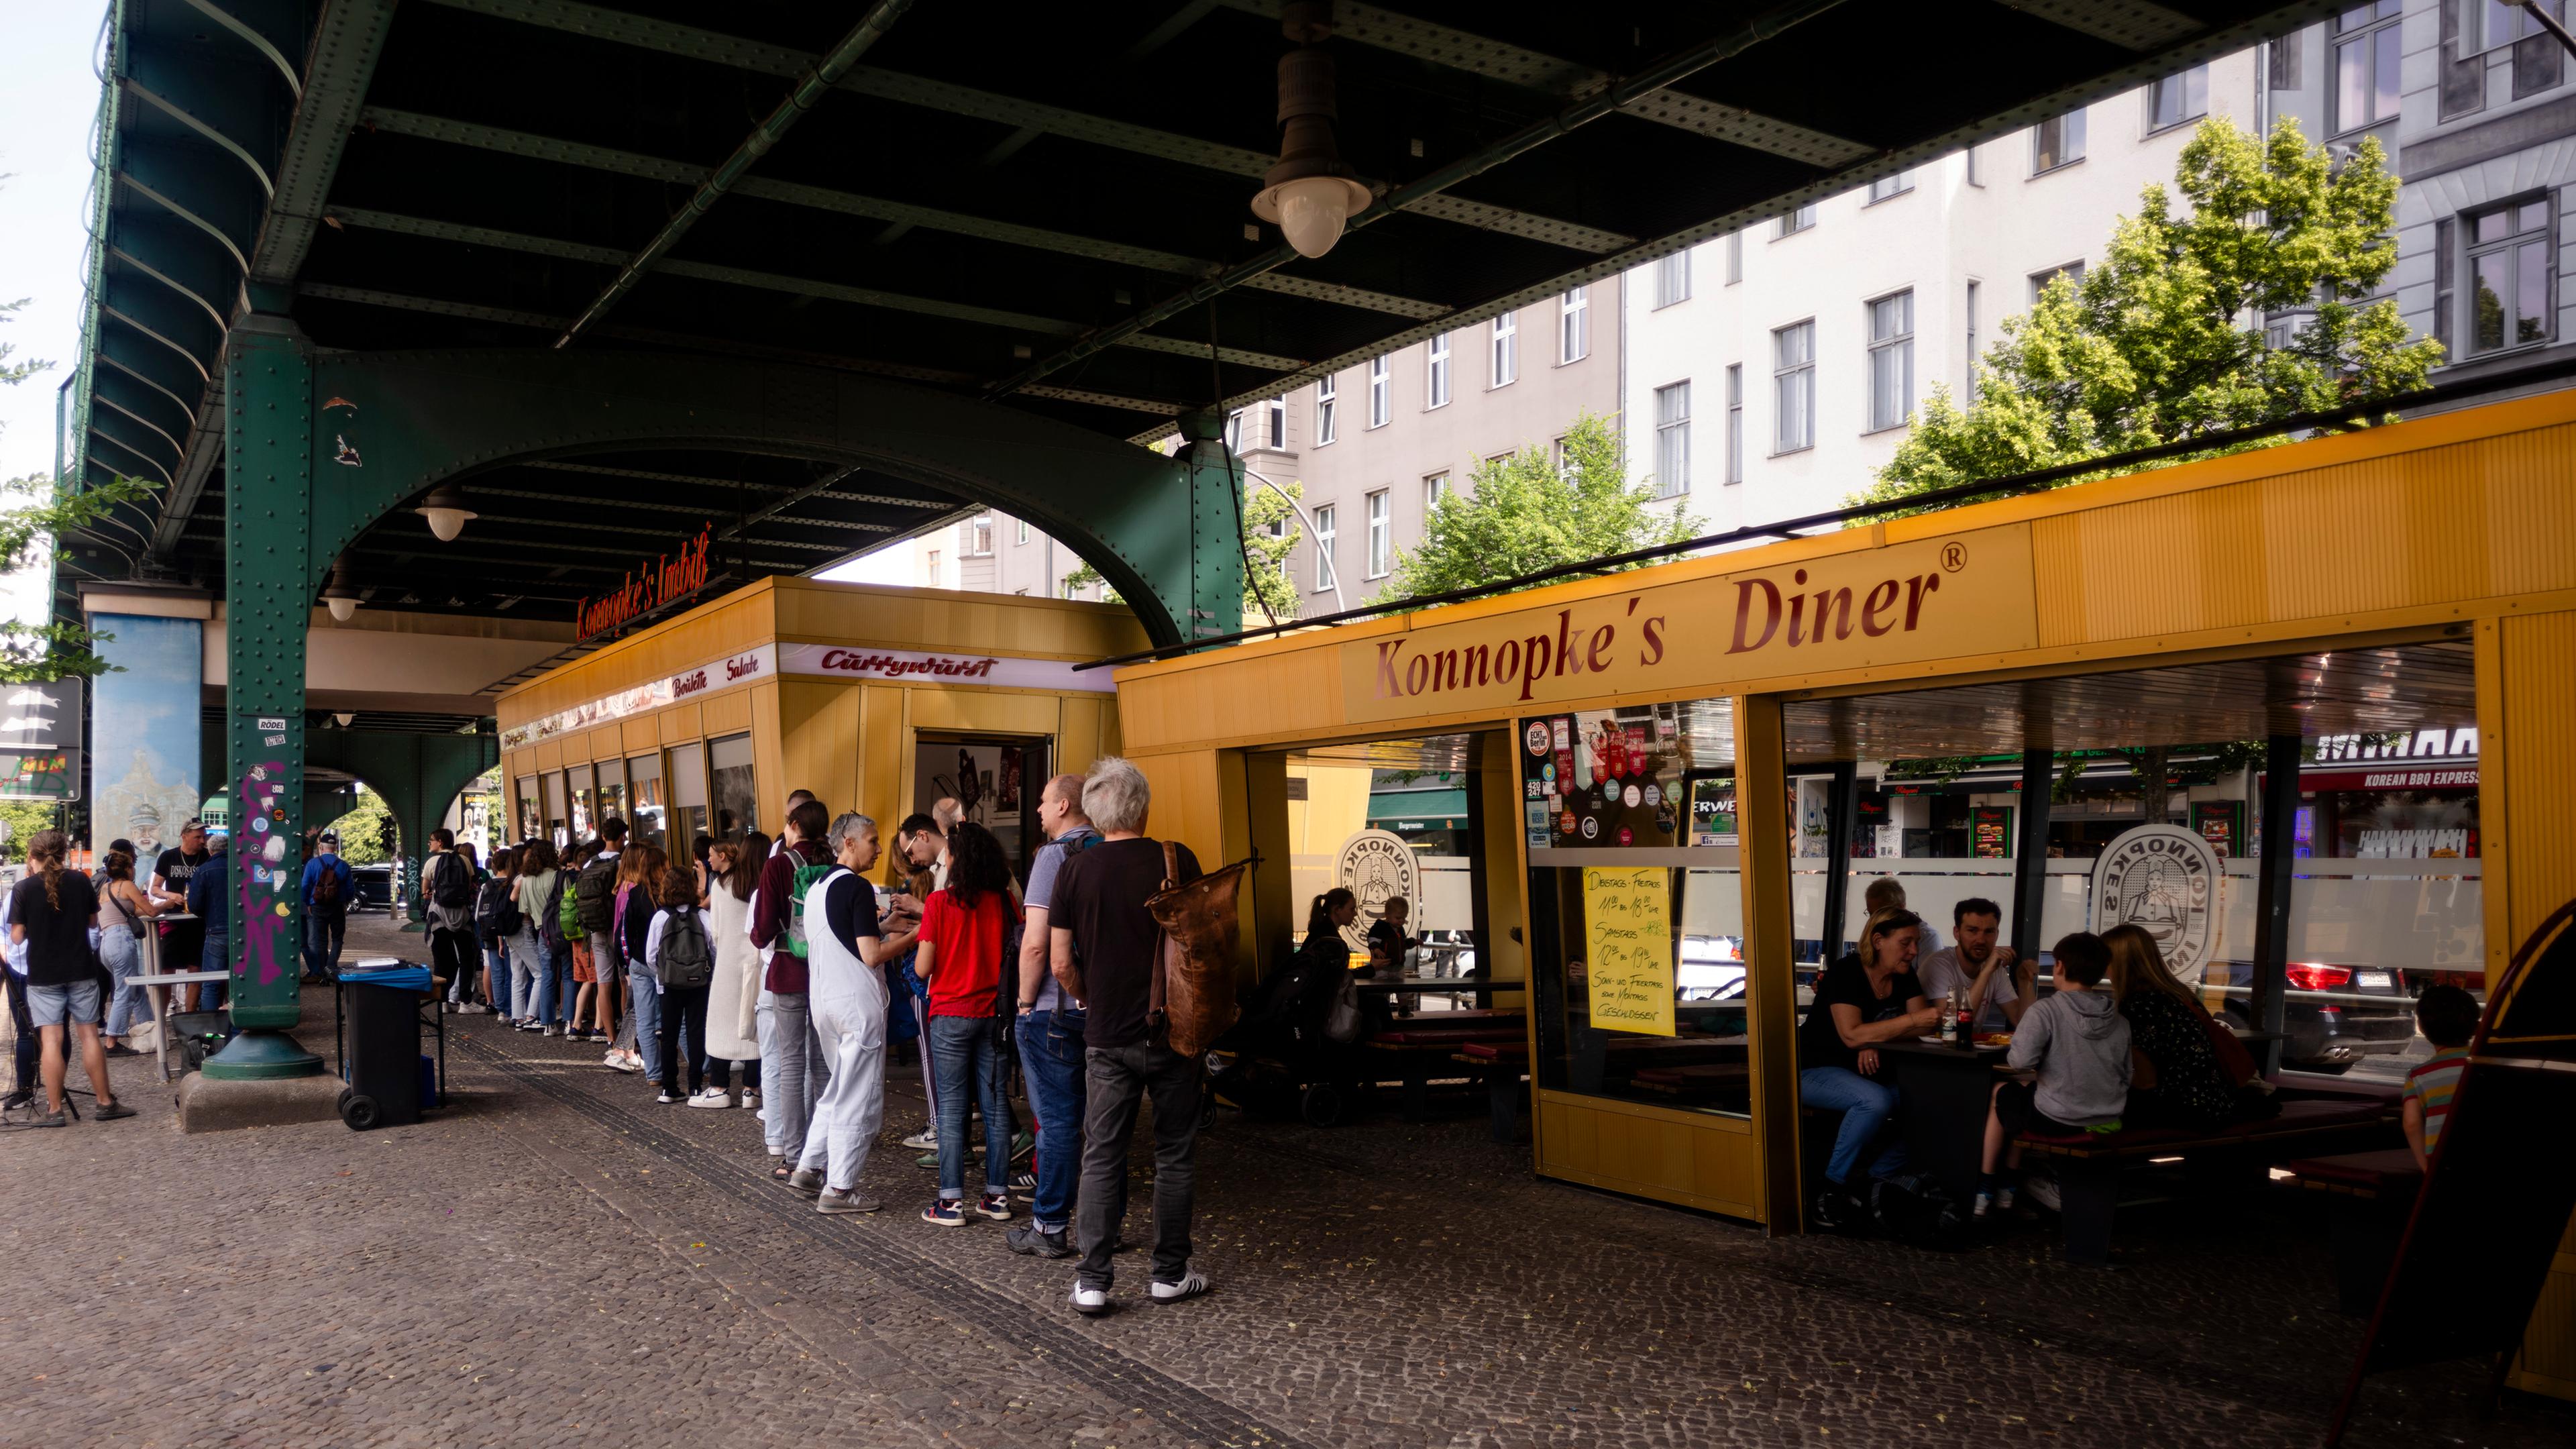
144	767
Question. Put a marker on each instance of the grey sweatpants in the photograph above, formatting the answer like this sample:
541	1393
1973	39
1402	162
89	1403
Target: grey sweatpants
793	1071
852	1027
1120	1078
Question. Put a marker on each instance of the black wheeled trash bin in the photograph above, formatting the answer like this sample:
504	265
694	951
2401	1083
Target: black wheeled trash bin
380	1046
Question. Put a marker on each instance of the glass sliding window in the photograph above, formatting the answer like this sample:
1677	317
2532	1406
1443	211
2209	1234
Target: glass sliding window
1379	401
1735	422
1673	279
1436	392
2057	141
531	819
2366	54
1672	440
612	791
1891	361
2183	96
688	790
1327	408
1793	387
1574	325
731	785
2509	276
1505	348
1381	536
1323	548
551	800
582	793
647	813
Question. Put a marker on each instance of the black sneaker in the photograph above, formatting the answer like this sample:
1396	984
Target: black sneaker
110	1111
1836	1210
16	1100
1032	1241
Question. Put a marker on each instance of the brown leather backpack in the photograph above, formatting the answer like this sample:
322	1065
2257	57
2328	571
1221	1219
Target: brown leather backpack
1192	1001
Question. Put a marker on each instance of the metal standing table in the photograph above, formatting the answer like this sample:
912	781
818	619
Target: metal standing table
161	1008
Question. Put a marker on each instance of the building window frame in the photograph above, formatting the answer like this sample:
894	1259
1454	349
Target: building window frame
979	537
1672	439
1503	349
1968	380
1796	220
1734	422
1380	514
2178	99
1574	325
1327	409
2380	45
1435	486
1324	535
2057	143
1888	188
1890	330
1275	412
2528	240
2072	271
1793	387
2484	36
1381	390
1435	381
1976	167
1019	532
1672	279
2446	286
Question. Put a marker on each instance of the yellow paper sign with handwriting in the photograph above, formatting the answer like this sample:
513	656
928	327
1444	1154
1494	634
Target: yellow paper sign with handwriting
1628	933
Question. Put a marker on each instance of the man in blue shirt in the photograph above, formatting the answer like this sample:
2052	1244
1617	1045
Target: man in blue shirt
326	908
210	900
1050	1031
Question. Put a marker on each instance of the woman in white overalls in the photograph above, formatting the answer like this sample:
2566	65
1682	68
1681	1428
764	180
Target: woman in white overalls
845	951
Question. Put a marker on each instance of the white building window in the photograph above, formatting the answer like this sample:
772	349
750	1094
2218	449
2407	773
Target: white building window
1380	391
1574	325
1556	458
1799	220
1887	186
1020	533
1673	278
1968	380
1234	432
1793	387
2073	272
1672	439
1434	488
1505	348
2503	24
1436	393
2509	281
2057	141
2366	64
2178	98
979	536
1327	408
1976	171
1891	361
1734	257
1381	536
930	569
1735	422
1275	413
1324	547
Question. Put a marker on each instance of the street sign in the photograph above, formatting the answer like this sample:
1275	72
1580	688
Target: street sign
41	716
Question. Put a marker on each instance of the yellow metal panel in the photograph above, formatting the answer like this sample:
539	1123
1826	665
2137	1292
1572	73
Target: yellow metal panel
2532	758
884	757
728	713
2547	1364
809	610
549	756
682	723
2531	510
639	735
1187	802
819	741
1500	951
1687	1158
1771	984
2057	584
984	711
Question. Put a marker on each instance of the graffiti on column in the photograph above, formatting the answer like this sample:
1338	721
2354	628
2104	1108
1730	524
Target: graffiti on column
263	868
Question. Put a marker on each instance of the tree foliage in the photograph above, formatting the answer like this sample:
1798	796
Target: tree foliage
364	829
1520	515
1270	534
2162	342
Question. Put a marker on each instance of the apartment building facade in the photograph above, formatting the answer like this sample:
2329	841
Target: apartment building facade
1771	373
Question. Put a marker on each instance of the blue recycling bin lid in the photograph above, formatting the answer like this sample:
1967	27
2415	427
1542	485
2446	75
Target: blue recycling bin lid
400	978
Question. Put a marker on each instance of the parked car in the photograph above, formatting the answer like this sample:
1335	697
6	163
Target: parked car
375	887
1711	969
2333	1016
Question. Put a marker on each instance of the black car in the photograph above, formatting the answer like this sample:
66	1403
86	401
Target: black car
375	885
2333	1016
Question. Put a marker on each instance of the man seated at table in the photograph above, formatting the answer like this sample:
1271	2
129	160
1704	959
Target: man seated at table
1977	972
1866	998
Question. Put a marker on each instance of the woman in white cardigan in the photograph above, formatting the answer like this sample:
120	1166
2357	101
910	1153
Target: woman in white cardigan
733	867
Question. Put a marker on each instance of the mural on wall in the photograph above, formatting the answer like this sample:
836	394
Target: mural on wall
145	727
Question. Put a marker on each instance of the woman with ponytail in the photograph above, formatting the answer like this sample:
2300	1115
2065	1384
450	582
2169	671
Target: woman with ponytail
51	913
1289	1011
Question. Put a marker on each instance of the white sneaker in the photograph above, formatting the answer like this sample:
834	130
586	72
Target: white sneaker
1090	1302
1192	1284
761	1115
2043	1191
614	1061
710	1097
925	1140
750	1101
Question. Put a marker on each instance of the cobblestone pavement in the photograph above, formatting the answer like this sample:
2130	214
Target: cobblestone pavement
557	1260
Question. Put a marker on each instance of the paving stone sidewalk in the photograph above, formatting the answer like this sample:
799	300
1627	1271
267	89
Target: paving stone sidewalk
555	1259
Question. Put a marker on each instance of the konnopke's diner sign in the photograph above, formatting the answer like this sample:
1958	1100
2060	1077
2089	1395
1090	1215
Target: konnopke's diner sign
1935	598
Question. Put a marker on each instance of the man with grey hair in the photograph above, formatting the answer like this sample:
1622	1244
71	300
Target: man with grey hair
1050	1030
846	951
1105	949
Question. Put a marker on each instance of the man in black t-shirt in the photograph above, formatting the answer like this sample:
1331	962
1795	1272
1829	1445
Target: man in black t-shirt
182	942
1865	998
51	912
1104	951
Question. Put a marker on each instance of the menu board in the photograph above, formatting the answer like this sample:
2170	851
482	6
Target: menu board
1990	832
1604	778
1628	945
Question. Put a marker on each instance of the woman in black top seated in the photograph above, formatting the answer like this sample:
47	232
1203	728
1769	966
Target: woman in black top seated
2177	1080
1289	1011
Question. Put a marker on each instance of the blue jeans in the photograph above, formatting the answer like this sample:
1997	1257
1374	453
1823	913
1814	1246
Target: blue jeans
553	969
118	948
963	1054
1867	1105
217	955
644	1006
322	944
1051	1062
496	959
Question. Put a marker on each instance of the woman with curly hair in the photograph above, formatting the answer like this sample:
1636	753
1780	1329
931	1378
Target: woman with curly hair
963	931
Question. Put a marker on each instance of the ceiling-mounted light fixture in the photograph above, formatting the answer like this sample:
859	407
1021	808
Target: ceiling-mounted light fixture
446	511
1311	192
342	719
340	594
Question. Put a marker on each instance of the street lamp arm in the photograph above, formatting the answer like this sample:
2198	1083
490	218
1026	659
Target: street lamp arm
2548	22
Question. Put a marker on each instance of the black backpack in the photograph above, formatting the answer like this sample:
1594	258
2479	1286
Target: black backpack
550	925
687	957
1913	1208
496	911
450	884
594	894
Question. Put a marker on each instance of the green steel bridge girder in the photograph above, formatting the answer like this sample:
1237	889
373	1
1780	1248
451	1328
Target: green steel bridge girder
417	775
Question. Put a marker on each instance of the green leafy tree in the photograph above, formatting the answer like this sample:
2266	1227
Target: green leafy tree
32	652
24	818
363	830
2162	342
1522	515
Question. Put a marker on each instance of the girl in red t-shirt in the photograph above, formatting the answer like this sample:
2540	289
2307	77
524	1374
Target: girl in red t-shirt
963	932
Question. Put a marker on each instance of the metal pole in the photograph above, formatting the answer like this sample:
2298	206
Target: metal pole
2549	23
2030	854
1333	574
1841	805
2273	891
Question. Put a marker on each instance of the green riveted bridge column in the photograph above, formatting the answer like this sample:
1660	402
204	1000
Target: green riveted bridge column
1216	526
268	573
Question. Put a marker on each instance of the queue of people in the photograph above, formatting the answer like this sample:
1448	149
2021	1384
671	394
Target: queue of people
776	975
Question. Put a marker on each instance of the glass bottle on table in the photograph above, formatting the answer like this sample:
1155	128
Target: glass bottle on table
1949	1022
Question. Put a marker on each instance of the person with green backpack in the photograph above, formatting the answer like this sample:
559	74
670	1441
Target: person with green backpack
793	1069
681	956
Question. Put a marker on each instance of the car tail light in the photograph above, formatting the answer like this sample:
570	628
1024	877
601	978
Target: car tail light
2308	976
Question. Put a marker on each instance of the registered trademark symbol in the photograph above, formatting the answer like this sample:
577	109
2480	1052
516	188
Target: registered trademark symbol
1954	557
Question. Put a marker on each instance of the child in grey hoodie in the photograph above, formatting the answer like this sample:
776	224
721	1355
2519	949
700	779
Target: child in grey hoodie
2079	1043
